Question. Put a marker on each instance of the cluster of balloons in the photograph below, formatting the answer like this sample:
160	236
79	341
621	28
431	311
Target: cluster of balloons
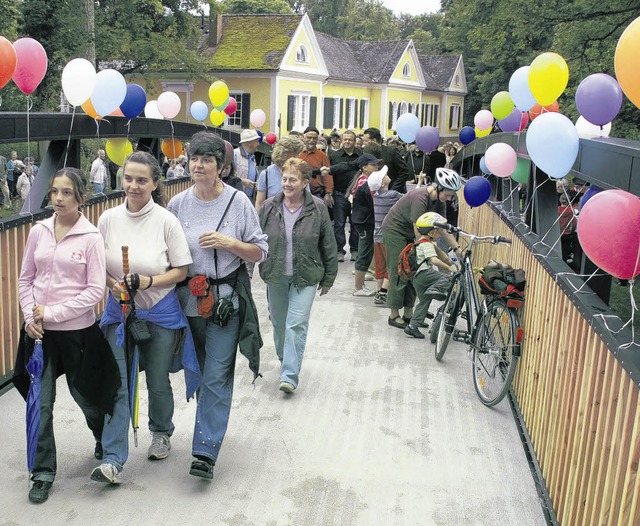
25	62
408	128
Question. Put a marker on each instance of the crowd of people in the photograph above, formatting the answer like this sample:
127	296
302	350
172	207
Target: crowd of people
186	279
16	178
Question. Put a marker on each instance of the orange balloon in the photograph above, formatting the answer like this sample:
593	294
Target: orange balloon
626	61
8	61
88	108
538	110
172	148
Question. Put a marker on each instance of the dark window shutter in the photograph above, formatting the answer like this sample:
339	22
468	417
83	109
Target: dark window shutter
327	120
436	115
313	111
423	117
355	113
451	117
390	115
290	108
246	110
362	111
340	123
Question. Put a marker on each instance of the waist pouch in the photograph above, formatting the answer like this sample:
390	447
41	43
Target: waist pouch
139	331
201	288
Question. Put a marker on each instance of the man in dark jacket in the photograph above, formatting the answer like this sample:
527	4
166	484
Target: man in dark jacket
398	171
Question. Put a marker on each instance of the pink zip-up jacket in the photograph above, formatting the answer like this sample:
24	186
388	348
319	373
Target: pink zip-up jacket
67	277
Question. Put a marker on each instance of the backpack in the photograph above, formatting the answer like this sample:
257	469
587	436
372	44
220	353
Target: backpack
501	279
408	260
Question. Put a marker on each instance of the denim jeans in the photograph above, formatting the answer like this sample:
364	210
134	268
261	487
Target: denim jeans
62	353
216	349
98	188
290	309
429	284
342	211
157	356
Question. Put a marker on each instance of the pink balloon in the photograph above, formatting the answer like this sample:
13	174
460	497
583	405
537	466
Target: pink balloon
169	104
231	107
483	120
609	232
524	121
31	65
257	118
271	138
501	159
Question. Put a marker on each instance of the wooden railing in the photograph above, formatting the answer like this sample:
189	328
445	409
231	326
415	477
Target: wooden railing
13	237
578	400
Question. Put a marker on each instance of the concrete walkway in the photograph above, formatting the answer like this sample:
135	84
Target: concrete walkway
378	433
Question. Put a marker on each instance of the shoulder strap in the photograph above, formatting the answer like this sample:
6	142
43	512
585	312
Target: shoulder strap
215	251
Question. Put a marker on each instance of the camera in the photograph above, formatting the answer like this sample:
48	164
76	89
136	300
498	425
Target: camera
222	312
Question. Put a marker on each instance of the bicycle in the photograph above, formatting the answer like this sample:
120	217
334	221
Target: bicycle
493	330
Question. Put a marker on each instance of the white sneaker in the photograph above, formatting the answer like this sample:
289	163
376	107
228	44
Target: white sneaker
160	446
106	472
369	277
364	292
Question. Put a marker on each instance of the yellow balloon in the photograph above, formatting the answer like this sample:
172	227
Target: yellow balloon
501	105
217	117
118	150
626	62
218	93
548	77
482	133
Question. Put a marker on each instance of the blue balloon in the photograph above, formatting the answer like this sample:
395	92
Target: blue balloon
260	136
520	91
591	191
483	166
477	191
407	127
553	143
134	101
467	135
199	110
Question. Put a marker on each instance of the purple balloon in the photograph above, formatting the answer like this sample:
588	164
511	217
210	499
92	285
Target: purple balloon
511	123
134	101
477	190
599	98
427	139
591	191
467	135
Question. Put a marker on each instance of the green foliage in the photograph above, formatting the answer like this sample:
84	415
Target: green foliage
256	7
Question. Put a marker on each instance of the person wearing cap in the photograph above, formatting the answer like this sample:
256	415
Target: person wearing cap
362	217
336	143
320	185
399	173
244	161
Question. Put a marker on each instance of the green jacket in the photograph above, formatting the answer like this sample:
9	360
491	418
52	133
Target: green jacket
315	253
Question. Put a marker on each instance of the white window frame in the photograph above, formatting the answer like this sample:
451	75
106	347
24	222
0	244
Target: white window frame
235	119
455	116
351	117
404	107
302	55
394	114
456	81
406	70
413	108
336	112
301	108
365	124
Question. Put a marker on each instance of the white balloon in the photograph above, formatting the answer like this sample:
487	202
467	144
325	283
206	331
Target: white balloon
78	80
109	92
586	130
169	104
151	110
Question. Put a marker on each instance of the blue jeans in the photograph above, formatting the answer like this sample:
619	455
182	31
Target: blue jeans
98	188
290	309
157	356
62	353
216	349
342	211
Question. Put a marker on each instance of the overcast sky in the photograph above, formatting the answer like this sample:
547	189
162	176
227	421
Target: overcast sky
413	7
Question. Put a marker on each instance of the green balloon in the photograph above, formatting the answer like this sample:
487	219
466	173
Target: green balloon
501	105
521	173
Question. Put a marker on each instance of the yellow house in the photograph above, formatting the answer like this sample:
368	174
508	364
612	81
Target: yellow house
300	77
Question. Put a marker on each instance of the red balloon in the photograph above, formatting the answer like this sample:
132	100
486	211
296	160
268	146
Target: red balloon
231	107
609	232
31	64
271	138
8	61
523	121
538	110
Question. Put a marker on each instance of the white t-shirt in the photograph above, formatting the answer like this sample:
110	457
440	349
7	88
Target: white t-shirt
424	251
156	243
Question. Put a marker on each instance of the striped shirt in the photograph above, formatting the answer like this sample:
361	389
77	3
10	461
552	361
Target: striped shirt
382	203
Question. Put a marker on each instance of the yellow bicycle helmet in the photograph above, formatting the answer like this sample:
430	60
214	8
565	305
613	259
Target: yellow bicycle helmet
425	222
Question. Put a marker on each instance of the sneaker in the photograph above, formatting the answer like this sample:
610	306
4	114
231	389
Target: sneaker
380	298
106	472
160	446
421	324
411	330
39	492
364	292
202	467
354	255
369	277
286	387
340	258
98	452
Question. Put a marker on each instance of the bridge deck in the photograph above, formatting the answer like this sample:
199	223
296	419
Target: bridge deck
377	433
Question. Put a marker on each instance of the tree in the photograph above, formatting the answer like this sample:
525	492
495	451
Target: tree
255	7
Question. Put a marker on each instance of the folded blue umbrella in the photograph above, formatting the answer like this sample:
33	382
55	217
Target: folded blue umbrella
34	368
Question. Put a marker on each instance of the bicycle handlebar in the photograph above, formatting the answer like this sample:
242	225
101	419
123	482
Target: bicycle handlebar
454	229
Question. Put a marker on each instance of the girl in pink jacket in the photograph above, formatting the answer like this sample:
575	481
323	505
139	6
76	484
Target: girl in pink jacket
62	280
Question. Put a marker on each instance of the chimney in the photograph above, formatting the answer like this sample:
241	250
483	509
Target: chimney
215	29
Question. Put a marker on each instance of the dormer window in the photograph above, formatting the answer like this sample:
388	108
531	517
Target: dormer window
302	55
406	70
456	80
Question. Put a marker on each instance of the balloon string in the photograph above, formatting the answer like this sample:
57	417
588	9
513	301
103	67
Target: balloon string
66	152
29	106
128	128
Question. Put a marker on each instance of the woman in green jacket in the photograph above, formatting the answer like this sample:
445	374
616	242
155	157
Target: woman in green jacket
303	257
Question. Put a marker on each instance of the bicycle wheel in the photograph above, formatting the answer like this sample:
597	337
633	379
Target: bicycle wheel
445	320
494	353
